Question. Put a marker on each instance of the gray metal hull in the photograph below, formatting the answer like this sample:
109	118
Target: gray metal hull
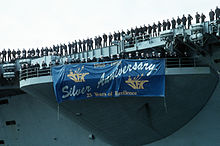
114	121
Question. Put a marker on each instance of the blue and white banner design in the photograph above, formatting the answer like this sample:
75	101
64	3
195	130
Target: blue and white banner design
109	79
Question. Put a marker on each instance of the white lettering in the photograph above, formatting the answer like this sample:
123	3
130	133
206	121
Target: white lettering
67	92
119	71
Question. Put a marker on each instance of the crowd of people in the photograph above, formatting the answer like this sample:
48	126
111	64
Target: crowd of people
106	40
44	68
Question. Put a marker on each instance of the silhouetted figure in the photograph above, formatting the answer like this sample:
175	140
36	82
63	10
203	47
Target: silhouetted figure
9	55
37	66
46	51
61	49
197	17
54	50
73	61
57	49
118	57
24	53
137	56
99	42
76	46
189	19
80	45
14	53
211	15
154	27
32	52
89	60
179	21
66	61
105	40
164	25
128	32
94	59
91	44
83	60
141	30
122	33
57	62
145	29
184	21
18	53
84	45
217	13
142	56
29	53
110	39
50	64
38	52
111	58
44	65
118	36
65	49
42	52
203	18
70	48
159	27
168	24
115	36
50	51
136	31
149	29
88	44
96	42
4	55
147	55
73	50
173	22
129	56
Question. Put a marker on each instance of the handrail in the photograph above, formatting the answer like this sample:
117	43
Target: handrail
170	63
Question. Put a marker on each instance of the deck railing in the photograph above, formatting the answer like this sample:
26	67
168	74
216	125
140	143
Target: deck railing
170	63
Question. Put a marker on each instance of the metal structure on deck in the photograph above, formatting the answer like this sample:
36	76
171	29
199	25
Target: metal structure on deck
191	79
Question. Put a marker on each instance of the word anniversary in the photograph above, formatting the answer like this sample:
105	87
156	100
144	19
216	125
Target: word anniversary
124	69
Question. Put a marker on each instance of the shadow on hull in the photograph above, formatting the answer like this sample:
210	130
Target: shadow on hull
136	120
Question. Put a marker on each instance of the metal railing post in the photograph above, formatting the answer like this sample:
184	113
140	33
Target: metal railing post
37	71
26	73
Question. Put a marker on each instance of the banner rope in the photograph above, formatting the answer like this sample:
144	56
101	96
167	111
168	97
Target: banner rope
58	111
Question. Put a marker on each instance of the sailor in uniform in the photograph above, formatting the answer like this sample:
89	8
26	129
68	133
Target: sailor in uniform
184	20
110	39
189	19
203	18
211	15
9	55
217	13
164	25
179	21
159	27
173	22
168	24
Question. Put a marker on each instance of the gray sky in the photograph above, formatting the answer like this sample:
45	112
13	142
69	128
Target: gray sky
40	23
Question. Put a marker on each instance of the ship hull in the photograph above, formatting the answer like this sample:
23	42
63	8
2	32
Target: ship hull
135	120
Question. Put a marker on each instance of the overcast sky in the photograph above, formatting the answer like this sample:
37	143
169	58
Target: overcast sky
40	23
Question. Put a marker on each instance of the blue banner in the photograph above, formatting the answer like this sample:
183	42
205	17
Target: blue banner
109	79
